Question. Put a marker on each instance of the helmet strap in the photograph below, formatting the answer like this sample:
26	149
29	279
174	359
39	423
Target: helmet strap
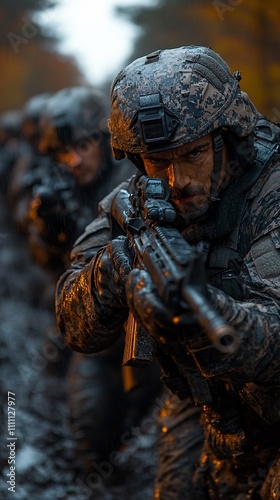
137	161
218	163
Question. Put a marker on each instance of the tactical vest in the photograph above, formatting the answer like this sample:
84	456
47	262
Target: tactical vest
224	261
225	433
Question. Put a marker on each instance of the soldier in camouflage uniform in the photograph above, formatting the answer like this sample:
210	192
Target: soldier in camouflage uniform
180	115
19	191
75	139
74	133
11	145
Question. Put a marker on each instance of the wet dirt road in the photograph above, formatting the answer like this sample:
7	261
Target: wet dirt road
42	445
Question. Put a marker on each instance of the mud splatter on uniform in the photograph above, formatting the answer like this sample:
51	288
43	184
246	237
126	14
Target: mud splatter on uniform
221	440
243	377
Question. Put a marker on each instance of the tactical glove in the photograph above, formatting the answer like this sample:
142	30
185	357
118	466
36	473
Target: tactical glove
55	225
170	324
160	320
111	267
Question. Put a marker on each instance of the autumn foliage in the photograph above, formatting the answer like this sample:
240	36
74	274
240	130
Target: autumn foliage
244	32
29	61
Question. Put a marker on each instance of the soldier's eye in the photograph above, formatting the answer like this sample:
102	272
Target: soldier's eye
159	164
194	154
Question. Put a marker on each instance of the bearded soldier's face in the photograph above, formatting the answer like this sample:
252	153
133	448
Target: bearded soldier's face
84	160
187	171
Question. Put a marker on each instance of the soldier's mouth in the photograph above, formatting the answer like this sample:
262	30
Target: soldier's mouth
184	201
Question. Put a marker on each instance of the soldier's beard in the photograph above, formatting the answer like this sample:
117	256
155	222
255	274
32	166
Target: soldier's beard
191	202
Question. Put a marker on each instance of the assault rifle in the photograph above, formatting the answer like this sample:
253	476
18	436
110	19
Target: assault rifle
174	265
52	200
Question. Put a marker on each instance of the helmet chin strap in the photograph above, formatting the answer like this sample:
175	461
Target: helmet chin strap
218	163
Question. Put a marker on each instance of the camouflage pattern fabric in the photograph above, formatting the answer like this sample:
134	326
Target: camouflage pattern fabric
240	455
194	84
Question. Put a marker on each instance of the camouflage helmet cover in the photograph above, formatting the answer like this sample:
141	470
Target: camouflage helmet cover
175	96
10	123
32	112
35	106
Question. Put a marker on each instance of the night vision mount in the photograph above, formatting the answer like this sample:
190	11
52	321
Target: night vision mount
153	121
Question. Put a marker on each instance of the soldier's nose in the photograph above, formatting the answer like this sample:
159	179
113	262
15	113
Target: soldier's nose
177	176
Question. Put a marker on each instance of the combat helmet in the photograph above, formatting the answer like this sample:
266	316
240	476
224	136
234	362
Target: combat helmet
10	125
71	116
174	96
31	115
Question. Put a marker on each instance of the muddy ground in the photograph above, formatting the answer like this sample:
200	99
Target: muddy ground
45	464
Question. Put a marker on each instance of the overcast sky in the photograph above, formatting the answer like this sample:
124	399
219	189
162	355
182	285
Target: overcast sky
92	33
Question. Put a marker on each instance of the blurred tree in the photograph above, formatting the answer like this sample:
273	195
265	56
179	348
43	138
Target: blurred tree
245	33
16	19
28	58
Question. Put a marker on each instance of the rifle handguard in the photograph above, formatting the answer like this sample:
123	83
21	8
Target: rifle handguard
222	335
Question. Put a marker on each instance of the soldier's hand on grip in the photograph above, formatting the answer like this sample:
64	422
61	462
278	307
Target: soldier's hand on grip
156	317
111	267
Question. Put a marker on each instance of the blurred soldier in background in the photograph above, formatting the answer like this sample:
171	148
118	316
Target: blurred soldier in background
27	166
74	134
18	156
12	147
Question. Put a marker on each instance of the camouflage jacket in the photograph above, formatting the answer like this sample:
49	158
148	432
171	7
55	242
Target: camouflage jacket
252	221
